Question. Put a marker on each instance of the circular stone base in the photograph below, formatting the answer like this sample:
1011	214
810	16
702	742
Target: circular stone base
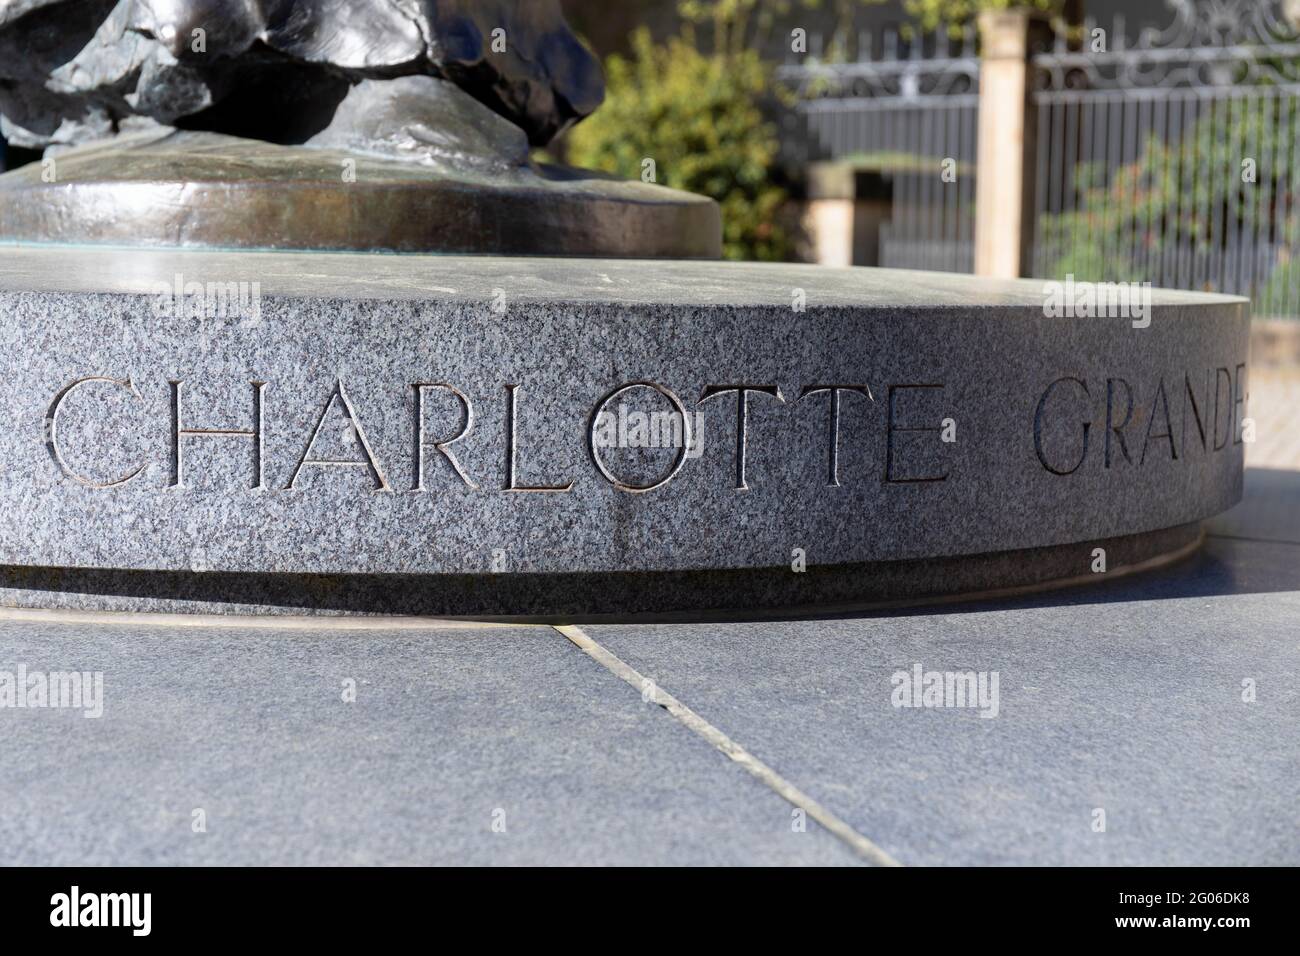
486	436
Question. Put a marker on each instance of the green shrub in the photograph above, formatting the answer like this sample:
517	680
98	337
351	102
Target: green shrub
1190	193
698	116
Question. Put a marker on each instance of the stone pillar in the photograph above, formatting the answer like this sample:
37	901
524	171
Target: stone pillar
1004	192
828	216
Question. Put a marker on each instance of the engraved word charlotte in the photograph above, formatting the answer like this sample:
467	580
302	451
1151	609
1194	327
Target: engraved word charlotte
605	432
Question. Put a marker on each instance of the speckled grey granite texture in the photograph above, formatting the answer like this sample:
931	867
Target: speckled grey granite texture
556	336
450	730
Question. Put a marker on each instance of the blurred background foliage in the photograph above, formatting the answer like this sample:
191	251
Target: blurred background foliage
698	117
931	14
690	85
694	91
1189	194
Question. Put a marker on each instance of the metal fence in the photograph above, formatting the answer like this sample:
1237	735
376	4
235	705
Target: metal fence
898	109
1166	157
1171	160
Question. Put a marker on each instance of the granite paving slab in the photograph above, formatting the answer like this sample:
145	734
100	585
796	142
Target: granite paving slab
1269	511
452	730
1167	701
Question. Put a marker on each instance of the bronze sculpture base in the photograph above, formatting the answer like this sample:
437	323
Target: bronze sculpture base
208	190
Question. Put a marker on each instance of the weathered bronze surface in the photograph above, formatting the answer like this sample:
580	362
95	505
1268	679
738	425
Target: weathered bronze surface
207	190
72	71
387	125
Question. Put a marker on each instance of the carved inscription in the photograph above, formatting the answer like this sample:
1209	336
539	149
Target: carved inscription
52	431
833	433
512	450
179	434
421	442
682	447
1079	422
742	417
368	460
1208	405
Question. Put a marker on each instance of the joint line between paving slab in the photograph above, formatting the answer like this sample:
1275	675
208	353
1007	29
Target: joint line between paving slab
765	774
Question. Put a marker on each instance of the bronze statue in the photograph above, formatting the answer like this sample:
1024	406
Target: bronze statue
73	71
402	125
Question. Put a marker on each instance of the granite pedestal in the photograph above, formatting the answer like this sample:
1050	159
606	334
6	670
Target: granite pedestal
562	438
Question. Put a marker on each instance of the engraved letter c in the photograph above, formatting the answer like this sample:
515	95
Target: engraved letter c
52	439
